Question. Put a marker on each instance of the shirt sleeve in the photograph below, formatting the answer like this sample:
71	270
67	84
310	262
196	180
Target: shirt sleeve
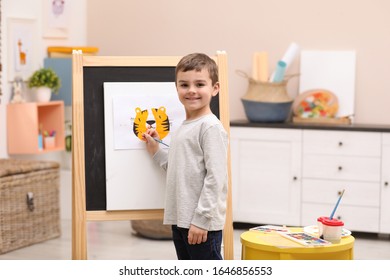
161	158
213	195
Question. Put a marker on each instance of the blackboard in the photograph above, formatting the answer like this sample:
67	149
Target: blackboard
94	77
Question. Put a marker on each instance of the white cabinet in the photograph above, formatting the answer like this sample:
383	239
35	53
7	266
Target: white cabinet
266	166
291	176
385	185
337	160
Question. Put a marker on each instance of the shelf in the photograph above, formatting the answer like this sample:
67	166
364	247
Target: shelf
24	121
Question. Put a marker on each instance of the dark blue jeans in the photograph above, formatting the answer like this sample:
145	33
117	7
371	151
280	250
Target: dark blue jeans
209	250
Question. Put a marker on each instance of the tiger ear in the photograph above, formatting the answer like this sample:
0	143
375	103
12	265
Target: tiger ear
162	108
138	110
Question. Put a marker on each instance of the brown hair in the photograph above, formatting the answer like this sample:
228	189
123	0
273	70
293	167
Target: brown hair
197	62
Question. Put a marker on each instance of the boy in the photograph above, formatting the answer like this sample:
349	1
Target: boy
196	164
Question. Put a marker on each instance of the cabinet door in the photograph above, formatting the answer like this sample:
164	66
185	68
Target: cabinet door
385	187
266	166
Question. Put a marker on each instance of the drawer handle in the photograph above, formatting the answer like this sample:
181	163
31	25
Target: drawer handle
340	168
338	217
30	201
295	178
340	144
386	184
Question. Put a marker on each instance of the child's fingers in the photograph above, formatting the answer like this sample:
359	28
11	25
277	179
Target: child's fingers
146	136
152	132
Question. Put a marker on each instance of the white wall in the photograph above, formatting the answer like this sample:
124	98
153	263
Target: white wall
176	27
76	36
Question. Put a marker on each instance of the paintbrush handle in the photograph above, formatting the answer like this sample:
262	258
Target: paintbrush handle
337	204
161	142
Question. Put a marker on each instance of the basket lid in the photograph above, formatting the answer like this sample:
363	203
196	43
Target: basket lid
18	166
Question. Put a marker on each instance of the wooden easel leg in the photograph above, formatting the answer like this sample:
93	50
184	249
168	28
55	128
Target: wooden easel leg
79	239
79	222
225	119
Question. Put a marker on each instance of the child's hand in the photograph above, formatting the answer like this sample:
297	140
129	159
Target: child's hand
152	145
196	235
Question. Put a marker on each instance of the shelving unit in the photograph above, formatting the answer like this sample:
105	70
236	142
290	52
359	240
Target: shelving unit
24	122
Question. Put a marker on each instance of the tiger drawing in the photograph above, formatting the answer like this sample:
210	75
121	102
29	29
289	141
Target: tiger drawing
140	122
162	121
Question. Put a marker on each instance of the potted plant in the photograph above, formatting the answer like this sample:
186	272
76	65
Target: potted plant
45	81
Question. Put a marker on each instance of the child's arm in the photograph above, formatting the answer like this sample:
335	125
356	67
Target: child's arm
152	146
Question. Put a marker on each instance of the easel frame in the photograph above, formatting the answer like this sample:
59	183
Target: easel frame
80	214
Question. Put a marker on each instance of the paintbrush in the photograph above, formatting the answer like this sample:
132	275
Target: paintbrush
160	141
337	204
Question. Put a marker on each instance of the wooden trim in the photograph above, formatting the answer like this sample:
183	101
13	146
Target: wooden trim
79	231
158	61
125	215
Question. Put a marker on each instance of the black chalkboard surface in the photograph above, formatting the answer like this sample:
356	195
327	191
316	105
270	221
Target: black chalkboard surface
94	77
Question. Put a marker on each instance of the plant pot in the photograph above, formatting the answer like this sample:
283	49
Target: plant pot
42	94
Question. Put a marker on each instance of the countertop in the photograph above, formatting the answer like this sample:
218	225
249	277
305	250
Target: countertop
290	125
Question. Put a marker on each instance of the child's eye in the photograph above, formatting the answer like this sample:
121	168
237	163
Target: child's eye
200	84
183	85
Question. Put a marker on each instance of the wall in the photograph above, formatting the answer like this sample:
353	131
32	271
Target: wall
175	27
33	9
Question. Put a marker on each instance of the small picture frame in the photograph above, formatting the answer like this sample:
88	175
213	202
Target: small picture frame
22	47
56	15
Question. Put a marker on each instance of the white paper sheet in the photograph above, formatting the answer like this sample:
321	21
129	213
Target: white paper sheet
331	70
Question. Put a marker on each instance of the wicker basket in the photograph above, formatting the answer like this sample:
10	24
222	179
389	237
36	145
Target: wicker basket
153	229
29	203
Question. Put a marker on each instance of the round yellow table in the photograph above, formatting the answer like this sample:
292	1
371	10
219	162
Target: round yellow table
257	245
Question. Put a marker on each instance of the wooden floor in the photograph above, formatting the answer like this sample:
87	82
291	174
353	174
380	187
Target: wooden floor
116	240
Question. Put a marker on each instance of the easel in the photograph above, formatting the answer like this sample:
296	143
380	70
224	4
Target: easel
81	214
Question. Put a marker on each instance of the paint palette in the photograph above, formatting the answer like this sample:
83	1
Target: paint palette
270	228
305	239
314	231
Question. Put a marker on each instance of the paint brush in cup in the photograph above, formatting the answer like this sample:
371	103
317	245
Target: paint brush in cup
337	204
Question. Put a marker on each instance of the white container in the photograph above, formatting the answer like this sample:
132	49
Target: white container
332	229
49	142
320	226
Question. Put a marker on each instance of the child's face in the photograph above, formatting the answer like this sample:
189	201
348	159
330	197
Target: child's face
195	91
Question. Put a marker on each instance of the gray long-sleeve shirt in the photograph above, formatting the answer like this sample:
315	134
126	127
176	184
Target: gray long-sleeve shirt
196	186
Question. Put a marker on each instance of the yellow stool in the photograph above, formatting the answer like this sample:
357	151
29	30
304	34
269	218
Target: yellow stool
257	245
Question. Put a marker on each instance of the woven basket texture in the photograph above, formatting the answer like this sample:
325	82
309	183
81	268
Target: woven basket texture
267	92
153	229
21	226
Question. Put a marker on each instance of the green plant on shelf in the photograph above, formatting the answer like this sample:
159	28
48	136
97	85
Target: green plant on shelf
45	77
